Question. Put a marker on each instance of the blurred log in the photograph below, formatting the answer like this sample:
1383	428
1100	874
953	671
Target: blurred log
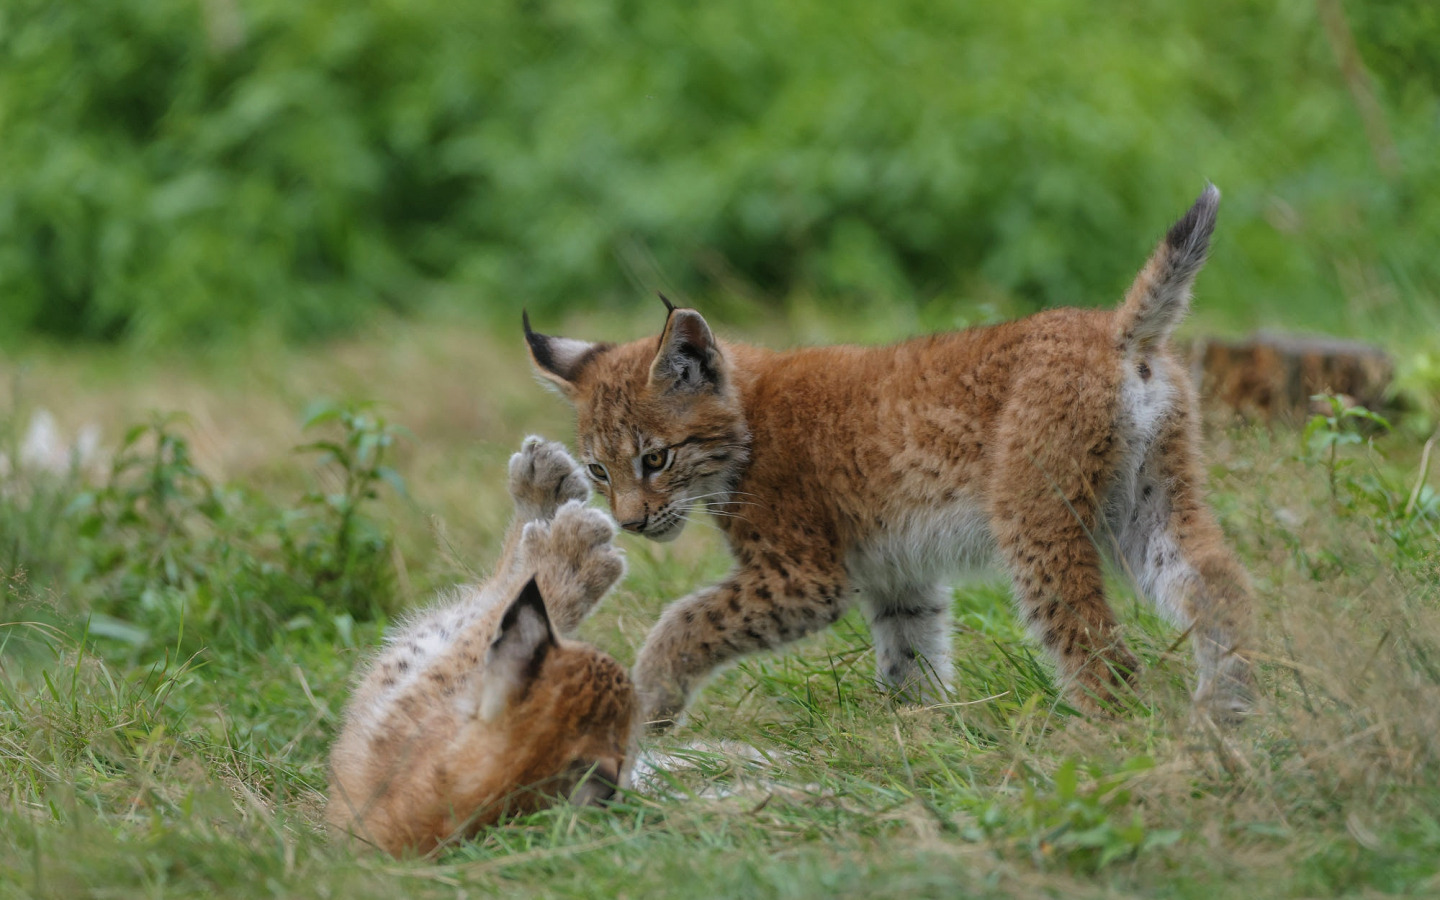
1271	377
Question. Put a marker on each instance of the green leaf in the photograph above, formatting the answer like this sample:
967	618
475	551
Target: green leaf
1067	779
392	478
116	629
334	450
1162	837
319	413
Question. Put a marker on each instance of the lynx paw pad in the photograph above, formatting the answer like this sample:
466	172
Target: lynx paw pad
543	476
575	560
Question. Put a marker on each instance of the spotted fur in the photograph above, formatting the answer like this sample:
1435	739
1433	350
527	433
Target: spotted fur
481	706
871	475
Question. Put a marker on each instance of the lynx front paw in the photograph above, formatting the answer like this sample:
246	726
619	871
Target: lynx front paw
662	699
574	559
543	476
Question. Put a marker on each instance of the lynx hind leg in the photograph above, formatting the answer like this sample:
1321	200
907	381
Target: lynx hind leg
543	477
1060	593
1219	603
574	559
910	625
1174	548
1043	513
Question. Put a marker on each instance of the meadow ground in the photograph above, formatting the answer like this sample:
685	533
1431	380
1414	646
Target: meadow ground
177	641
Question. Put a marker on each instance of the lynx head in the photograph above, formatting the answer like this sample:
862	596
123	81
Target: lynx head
659	425
567	710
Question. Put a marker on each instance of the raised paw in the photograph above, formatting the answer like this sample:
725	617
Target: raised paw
575	561
543	476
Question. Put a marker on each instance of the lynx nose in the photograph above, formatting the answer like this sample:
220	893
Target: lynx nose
635	526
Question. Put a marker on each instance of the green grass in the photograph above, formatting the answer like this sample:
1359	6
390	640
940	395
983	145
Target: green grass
165	734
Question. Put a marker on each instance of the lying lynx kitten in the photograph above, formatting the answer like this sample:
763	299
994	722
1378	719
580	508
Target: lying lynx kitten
856	473
477	708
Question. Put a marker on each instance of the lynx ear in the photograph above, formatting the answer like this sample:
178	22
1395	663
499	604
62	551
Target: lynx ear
559	360
688	358
518	651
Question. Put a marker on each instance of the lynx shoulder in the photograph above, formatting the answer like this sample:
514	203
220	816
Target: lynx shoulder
482	706
864	475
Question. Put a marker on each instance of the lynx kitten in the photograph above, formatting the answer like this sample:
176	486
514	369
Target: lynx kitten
870	474
477	708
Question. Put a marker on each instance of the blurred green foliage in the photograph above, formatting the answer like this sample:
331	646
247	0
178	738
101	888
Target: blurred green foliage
161	557
183	169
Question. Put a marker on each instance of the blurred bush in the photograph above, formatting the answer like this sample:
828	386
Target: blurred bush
181	169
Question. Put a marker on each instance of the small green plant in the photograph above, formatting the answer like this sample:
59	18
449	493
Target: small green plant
345	553
1092	825
169	558
147	524
1401	506
1327	432
1417	391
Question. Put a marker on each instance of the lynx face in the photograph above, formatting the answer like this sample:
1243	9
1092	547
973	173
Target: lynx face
676	439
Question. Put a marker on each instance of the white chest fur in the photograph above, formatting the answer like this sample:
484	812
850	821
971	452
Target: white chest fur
924	547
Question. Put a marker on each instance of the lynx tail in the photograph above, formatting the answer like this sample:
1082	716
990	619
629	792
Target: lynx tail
1160	296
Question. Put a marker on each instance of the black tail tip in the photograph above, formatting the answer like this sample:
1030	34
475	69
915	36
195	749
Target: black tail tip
1192	233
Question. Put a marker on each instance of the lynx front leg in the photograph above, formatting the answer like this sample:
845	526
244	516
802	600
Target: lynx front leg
910	624
554	537
753	609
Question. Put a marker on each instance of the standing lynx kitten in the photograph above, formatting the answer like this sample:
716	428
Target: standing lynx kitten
477	708
845	473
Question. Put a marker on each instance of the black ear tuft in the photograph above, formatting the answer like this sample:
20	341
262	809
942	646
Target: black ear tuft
539	346
669	307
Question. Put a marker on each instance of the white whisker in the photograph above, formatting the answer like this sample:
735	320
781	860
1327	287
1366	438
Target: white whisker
729	493
702	523
727	501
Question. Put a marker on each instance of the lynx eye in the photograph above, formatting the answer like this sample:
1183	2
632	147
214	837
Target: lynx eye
598	473
655	460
